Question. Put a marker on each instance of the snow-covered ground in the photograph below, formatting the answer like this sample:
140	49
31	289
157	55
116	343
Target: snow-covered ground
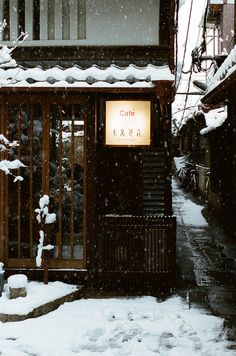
141	326
37	295
191	213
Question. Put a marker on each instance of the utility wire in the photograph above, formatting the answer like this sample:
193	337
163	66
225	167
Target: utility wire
186	96
200	48
185	45
197	52
189	107
176	39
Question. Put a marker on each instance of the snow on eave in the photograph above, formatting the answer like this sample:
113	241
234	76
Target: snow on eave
214	119
94	76
214	2
64	84
227	68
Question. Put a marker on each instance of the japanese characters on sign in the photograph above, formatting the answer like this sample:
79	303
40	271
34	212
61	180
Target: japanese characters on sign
128	123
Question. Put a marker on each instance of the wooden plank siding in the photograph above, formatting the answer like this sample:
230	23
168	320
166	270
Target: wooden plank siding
153	171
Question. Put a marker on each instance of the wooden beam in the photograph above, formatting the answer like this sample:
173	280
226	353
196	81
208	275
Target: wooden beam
14	19
1	17
19	185
81	14
43	32
58	19
74	16
2	192
29	19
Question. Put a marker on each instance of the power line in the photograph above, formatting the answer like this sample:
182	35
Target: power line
186	97
176	39
186	41
189	93
189	107
202	45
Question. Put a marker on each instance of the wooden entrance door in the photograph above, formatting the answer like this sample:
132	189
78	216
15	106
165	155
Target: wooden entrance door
51	145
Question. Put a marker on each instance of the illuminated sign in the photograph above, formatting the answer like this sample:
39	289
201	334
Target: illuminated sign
128	123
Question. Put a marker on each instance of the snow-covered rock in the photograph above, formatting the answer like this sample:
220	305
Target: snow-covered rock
16	286
17	281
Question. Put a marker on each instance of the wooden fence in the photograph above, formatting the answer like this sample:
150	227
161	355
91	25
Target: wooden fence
135	253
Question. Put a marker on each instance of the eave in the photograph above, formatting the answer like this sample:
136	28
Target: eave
222	91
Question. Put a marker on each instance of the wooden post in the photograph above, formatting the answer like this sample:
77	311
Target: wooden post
46	253
44	237
45	267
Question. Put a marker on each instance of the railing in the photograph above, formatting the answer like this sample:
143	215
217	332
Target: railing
44	20
136	252
81	22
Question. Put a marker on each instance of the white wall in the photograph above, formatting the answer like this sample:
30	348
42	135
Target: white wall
122	22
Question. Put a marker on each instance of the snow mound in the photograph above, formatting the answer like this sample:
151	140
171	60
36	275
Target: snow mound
17	281
37	295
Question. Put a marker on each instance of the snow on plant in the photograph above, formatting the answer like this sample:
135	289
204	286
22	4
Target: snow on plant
5	165
6	59
43	217
5	145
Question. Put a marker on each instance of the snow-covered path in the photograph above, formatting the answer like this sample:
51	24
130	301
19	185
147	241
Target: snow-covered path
212	252
139	327
187	212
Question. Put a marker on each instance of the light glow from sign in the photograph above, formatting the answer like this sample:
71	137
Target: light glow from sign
128	123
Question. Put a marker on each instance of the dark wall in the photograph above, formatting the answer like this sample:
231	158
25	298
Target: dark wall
132	180
223	167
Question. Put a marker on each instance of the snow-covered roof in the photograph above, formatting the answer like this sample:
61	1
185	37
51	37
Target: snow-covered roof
214	119
77	77
213	2
227	68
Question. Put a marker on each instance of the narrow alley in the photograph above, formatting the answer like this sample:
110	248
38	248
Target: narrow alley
206	257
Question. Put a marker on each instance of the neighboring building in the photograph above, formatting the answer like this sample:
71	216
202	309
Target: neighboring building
220	134
221	91
220	22
194	147
211	144
90	105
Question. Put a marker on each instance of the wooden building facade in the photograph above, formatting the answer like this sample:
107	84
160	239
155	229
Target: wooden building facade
222	145
210	141
220	93
90	108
